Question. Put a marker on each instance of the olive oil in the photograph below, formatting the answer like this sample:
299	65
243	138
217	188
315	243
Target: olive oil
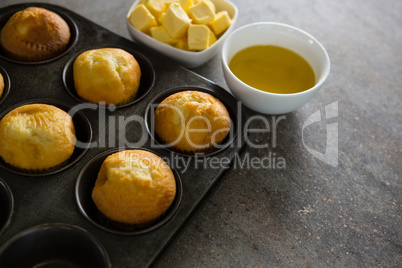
273	69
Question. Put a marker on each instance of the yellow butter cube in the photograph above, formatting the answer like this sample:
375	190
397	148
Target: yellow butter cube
182	43
186	4
142	19
168	2
221	22
201	13
161	34
209	3
175	20
156	7
200	37
212	38
160	18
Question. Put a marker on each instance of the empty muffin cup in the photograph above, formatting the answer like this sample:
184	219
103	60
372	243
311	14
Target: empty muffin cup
83	194
9	11
6	205
83	133
147	79
226	98
54	245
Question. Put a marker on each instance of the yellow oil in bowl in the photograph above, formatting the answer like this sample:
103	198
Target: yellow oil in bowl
272	69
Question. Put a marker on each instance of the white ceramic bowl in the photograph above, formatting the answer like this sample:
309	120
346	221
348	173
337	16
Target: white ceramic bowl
188	59
271	33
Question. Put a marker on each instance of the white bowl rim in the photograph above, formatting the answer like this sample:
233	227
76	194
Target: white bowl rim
319	84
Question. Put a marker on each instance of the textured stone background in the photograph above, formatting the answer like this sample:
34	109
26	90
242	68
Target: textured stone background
308	214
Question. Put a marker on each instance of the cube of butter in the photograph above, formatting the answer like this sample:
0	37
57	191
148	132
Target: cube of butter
221	22
161	34
142	19
186	4
156	7
201	13
209	3
175	20
182	43
212	38
168	2
200	37
160	18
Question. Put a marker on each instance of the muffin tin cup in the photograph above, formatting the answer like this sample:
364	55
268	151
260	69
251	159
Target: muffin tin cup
6	205
146	82
54	245
7	84
83	131
11	10
83	195
223	96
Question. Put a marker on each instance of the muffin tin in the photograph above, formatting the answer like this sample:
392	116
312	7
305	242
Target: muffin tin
62	196
9	11
147	74
7	84
226	99
54	245
83	132
6	205
83	189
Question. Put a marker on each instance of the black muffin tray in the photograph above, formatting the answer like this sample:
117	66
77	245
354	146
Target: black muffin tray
61	196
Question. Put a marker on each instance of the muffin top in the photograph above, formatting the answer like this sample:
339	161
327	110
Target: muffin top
192	121
1	85
34	34
134	187
109	75
36	137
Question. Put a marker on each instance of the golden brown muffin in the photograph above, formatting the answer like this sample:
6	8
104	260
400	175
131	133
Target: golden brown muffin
109	75
134	187
34	34
192	121
36	137
1	85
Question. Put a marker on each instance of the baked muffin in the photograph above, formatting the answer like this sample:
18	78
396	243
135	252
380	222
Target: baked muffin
1	85
192	121
34	34
36	137
109	75
134	188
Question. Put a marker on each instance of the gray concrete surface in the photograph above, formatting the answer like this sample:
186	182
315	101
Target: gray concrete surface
309	214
